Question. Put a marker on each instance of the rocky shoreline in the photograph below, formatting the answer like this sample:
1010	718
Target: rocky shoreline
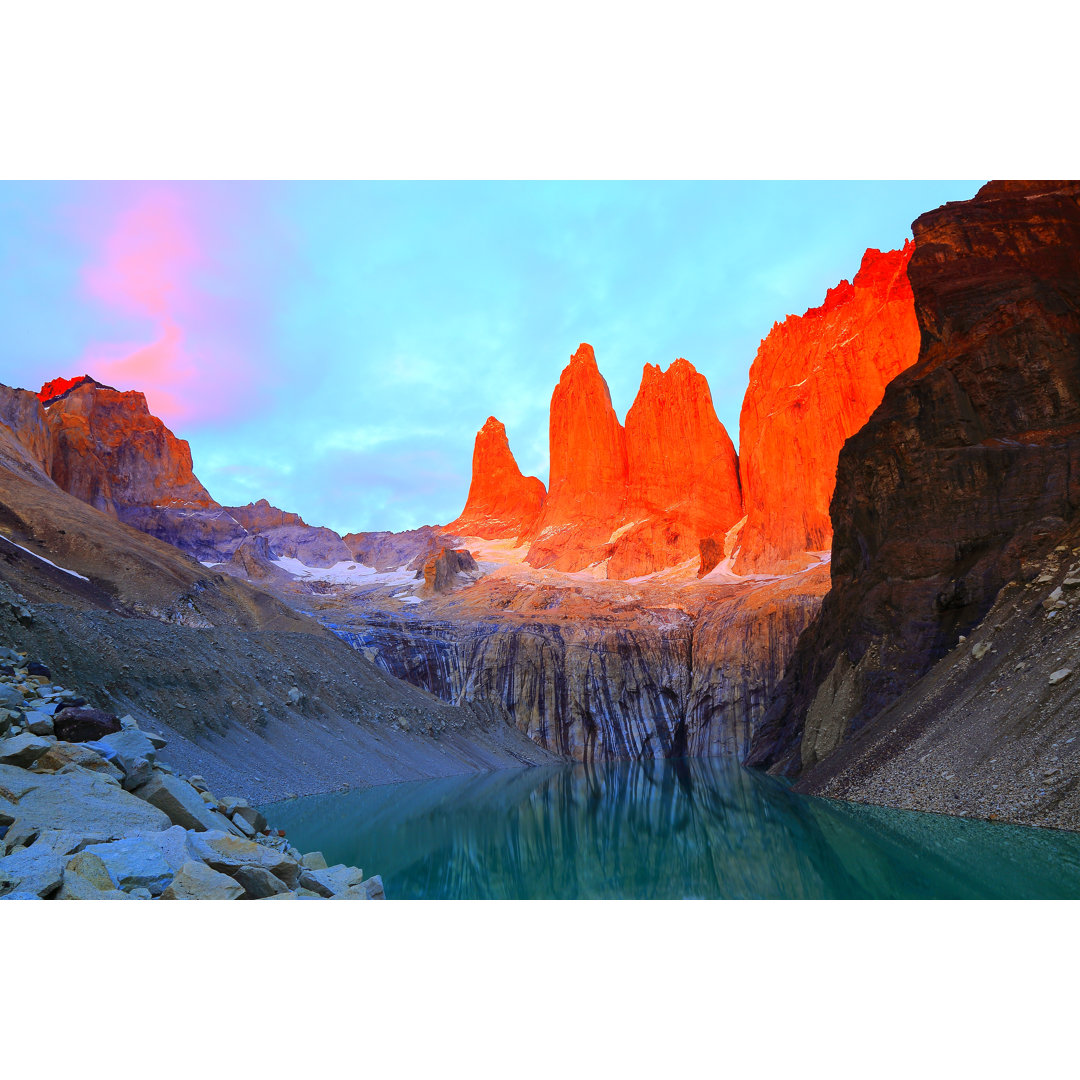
89	812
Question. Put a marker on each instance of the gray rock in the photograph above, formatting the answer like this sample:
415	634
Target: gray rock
182	803
22	750
134	863
1060	675
372	889
258	882
39	723
251	816
196	881
159	742
228	853
244	827
313	860
130	746
76	800
16	782
232	803
19	835
32	869
333	880
138	773
61	754
10	698
85	878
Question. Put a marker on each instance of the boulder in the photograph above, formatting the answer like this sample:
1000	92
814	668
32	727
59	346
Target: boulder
78	801
85	878
331	881
182	803
372	889
129	746
39	723
313	860
16	782
197	881
32	869
22	750
228	853
134	863
84	725
10	698
252	816
64	753
258	882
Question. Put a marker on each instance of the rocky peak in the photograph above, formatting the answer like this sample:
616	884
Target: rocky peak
502	502
57	388
588	479
814	382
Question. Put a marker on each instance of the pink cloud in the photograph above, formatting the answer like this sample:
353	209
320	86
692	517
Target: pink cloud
149	267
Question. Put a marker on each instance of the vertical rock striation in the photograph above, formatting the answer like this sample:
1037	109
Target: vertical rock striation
963	478
502	503
814	382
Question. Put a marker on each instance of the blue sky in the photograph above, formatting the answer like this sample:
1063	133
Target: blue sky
334	347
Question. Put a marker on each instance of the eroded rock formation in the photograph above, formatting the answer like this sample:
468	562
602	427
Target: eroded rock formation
588	478
502	503
963	478
683	473
814	382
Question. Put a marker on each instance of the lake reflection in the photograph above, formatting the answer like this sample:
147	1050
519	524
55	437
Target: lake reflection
697	828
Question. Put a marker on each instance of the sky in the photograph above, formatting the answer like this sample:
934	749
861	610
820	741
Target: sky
334	347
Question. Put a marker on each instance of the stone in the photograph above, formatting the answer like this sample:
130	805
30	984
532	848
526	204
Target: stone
139	772
129	746
1060	675
313	860
134	863
22	750
258	882
16	782
372	889
85	878
250	815
294	695
39	723
84	725
197	881
62	754
244	827
78	801
32	869
980	649
227	853
10	698
182	803
502	503
35	667
333	880
815	381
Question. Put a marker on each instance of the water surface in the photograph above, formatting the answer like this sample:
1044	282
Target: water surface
697	828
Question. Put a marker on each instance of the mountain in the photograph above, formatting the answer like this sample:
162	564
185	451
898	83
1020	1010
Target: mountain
814	382
502	503
683	473
588	477
957	515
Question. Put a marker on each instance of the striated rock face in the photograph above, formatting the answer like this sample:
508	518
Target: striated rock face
814	382
683	473
963	478
502	503
600	672
312	545
259	516
26	442
588	478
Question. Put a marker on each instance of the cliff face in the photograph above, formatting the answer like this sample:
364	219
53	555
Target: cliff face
601	672
259	516
683	474
588	477
814	382
26	442
502	503
966	475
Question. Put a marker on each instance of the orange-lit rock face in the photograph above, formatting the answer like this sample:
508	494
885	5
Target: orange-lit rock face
111	452
55	388
683	474
815	381
502	503
588	483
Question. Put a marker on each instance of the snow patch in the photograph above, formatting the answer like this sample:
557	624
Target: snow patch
81	577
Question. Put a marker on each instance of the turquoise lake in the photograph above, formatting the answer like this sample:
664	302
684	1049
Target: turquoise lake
664	830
